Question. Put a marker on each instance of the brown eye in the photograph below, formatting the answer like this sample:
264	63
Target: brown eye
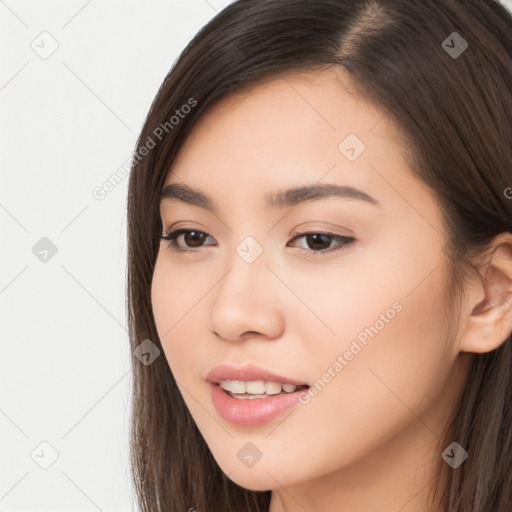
320	243
192	238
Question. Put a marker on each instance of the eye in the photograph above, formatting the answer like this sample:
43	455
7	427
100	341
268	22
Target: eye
191	236
318	242
322	240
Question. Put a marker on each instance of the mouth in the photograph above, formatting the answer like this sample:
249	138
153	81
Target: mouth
250	379
250	390
254	402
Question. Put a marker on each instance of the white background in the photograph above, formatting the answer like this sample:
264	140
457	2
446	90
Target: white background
68	122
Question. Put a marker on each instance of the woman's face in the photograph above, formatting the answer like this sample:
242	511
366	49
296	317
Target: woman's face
360	318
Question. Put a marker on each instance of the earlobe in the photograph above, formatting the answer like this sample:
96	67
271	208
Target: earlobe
489	323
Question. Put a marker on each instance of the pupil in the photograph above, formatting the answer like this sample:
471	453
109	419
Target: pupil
198	238
317	237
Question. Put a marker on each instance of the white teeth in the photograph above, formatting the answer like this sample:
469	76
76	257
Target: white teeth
256	387
273	388
237	386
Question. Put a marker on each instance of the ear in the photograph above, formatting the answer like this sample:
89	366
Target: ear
490	301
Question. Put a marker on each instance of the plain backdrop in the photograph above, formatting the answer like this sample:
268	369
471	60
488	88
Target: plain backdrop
76	81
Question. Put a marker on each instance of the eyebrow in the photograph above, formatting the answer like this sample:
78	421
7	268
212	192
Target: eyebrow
281	199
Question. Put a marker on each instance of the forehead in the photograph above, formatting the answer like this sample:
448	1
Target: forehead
300	104
284	130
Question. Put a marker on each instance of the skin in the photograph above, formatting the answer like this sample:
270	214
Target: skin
368	440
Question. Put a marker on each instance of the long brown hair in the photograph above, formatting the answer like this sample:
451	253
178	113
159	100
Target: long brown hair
453	104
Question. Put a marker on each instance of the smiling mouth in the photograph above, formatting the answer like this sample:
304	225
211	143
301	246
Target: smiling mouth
257	389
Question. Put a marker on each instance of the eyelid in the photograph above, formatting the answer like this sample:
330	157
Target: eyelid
311	227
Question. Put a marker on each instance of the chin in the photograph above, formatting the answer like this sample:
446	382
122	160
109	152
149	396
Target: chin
253	482
262	477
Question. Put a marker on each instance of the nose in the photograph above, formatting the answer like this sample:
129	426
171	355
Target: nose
245	303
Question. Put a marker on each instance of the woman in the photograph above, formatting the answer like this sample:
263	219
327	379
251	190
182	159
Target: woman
320	247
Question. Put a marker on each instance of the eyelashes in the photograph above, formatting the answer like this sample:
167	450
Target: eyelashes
311	237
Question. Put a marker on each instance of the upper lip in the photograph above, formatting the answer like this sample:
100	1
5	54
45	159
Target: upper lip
247	373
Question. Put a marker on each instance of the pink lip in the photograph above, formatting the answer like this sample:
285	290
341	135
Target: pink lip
251	411
254	411
247	373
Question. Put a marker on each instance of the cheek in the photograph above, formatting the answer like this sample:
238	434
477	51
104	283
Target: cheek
177	293
389	345
391	356
387	319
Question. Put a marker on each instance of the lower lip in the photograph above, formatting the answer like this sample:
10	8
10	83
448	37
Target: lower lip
251	411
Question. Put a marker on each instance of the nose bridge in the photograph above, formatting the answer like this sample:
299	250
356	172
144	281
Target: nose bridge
247	271
250	250
244	300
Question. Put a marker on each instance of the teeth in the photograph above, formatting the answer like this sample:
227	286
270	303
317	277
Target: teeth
273	388
256	387
237	386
